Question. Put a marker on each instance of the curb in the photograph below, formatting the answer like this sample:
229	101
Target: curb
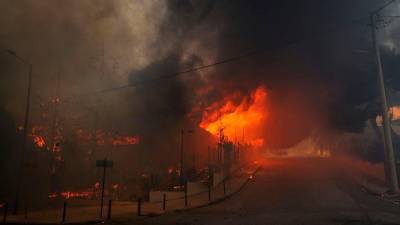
374	189
72	223
218	200
213	202
381	193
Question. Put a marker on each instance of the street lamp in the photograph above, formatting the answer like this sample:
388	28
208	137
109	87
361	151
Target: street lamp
183	131
26	122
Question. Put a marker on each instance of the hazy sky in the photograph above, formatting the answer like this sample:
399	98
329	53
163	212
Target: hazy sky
93	45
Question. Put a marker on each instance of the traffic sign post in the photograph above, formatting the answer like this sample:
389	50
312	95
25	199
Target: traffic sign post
103	163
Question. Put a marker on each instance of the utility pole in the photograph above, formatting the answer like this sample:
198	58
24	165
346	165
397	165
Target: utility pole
21	162
181	163
25	132
388	148
102	189
25	135
103	163
194	157
208	157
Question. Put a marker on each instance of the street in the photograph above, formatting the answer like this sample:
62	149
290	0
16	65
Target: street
292	191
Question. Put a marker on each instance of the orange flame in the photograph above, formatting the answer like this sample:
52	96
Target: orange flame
52	195
233	119
71	194
125	140
37	136
394	112
39	141
104	138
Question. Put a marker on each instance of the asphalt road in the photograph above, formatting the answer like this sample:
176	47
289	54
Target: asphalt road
292	191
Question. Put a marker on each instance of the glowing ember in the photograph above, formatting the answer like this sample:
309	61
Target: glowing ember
178	187
37	134
107	138
233	119
395	112
97	185
71	194
39	141
52	195
125	140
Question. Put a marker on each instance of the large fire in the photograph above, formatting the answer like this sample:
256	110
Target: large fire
238	120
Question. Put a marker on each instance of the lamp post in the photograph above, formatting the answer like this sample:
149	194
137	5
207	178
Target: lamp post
25	132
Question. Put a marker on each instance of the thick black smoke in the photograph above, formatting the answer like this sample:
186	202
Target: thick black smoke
314	45
315	60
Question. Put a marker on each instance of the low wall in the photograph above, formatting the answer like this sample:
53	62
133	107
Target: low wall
157	196
196	187
218	178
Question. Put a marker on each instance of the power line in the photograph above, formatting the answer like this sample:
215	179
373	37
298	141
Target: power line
228	60
223	61
238	57
389	17
384	6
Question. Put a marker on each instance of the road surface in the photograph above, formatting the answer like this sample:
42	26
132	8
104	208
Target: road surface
291	191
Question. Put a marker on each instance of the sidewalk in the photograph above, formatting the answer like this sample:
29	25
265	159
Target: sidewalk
89	211
371	178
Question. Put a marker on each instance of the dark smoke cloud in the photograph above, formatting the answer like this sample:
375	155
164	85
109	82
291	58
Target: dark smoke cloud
314	70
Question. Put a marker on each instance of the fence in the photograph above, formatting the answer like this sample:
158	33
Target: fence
75	211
